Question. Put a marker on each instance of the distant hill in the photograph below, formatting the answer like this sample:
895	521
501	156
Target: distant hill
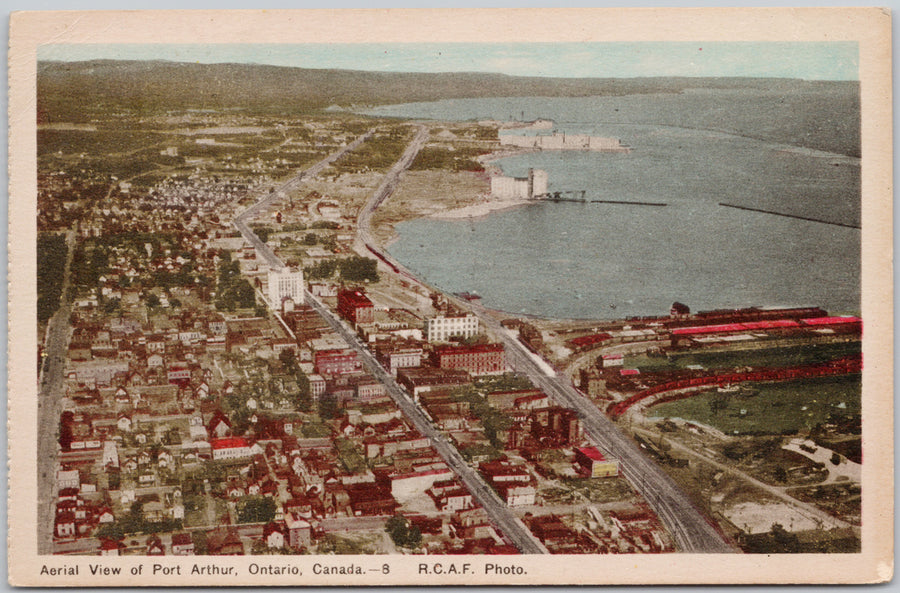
155	84
817	114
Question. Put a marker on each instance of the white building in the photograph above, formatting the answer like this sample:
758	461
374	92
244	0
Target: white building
441	328
520	188
285	283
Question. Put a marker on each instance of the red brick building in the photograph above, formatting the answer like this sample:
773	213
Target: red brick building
355	307
337	362
481	359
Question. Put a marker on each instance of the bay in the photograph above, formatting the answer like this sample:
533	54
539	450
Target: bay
594	260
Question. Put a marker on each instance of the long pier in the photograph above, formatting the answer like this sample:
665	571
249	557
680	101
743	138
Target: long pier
629	203
798	217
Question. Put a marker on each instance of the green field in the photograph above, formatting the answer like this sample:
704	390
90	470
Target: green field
770	408
763	357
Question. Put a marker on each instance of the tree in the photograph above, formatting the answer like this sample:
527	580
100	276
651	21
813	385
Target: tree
402	532
359	269
111	531
153	301
256	509
289	360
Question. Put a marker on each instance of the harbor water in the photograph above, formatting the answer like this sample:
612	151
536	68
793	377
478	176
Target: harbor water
600	260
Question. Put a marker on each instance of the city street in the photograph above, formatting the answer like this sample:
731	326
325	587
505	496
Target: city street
50	406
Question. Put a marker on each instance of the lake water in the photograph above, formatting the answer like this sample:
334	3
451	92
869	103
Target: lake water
589	260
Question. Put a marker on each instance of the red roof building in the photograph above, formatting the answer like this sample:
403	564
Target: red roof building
355	307
481	359
230	448
595	463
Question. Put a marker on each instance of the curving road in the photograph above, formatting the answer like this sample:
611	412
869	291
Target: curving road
384	191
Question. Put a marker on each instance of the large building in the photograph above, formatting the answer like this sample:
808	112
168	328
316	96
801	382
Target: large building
521	188
442	328
355	307
595	464
481	359
342	361
285	283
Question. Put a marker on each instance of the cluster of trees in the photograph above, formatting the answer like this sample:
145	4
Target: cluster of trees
351	269
325	224
255	509
134	522
262	232
358	269
321	270
233	291
402	532
303	398
88	264
51	265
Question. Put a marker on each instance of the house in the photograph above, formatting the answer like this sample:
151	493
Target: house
182	544
110	547
273	535
371	499
224	541
64	525
219	425
68	479
124	423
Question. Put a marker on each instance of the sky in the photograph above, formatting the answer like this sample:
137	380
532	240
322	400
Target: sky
805	60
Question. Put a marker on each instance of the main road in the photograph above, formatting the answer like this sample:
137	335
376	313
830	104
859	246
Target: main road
496	509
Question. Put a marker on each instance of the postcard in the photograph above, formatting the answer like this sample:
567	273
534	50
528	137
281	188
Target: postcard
450	297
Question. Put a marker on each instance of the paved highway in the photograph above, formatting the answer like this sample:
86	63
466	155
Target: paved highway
499	513
691	530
